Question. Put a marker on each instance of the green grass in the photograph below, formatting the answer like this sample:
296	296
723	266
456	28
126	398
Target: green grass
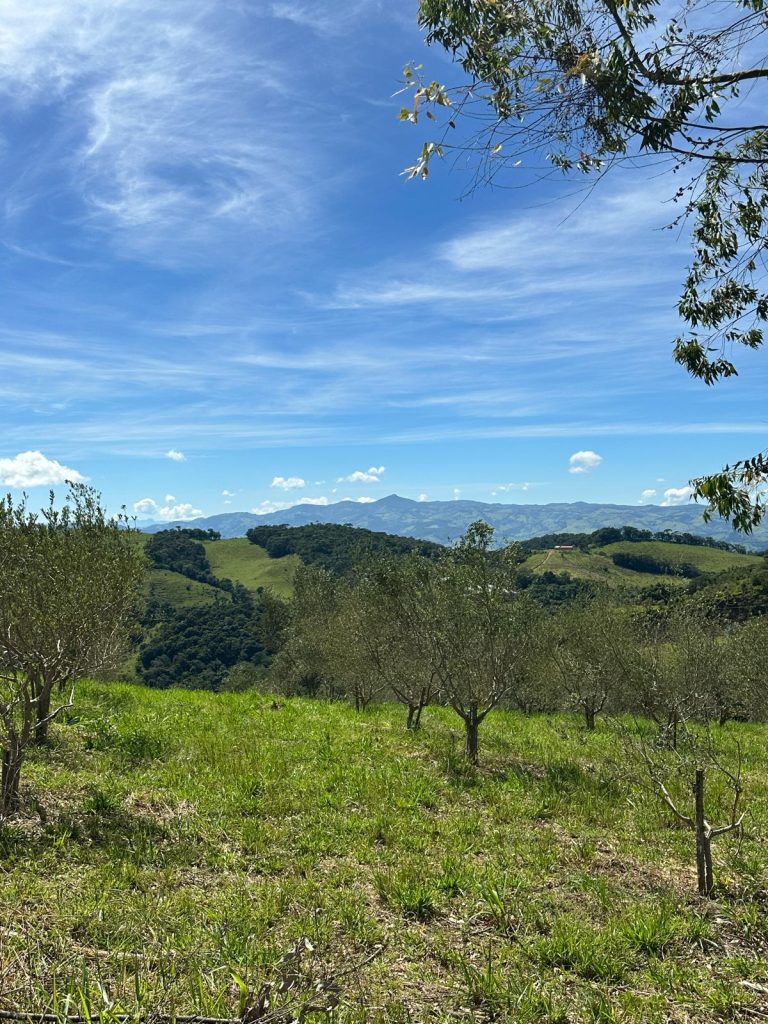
172	588
247	563
182	840
705	559
596	565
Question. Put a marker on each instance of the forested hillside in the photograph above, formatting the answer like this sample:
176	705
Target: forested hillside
337	548
443	522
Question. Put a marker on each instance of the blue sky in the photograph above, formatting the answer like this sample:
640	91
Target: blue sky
219	293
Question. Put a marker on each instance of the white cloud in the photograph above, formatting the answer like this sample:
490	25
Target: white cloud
360	501
145	507
182	511
362	476
289	483
647	494
33	469
169	498
423	497
525	486
228	494
175	456
677	496
266	507
584	462
168	512
456	493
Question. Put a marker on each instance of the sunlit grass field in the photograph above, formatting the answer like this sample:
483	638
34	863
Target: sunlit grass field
174	844
238	560
597	567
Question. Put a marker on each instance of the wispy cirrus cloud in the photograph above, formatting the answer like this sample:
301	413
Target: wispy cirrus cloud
161	145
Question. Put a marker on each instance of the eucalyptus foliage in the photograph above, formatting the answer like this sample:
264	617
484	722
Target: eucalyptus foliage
590	84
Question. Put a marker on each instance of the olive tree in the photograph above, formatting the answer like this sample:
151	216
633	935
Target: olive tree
741	688
477	630
678	661
385	626
305	633
590	654
70	585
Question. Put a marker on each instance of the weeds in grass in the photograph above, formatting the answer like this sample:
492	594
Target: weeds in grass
576	946
409	892
651	929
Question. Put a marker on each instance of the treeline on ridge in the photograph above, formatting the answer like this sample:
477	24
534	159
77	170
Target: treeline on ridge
617	534
181	551
334	546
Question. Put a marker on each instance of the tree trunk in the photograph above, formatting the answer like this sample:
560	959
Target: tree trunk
411	712
589	714
9	785
417	716
670	733
43	711
472	726
703	839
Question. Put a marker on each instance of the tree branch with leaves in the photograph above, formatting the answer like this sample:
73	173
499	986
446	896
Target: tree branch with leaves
585	86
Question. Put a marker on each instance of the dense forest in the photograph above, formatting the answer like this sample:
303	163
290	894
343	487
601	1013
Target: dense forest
333	547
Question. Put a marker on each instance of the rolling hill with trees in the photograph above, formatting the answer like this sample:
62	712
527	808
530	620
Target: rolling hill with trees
443	522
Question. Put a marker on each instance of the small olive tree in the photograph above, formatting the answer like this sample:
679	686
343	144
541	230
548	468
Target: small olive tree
305	635
381	626
676	776
70	589
590	654
740	690
677	658
476	629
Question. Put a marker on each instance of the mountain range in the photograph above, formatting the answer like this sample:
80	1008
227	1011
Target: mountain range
445	521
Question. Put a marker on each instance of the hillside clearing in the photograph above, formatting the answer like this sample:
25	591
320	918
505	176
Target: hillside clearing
597	567
242	562
183	838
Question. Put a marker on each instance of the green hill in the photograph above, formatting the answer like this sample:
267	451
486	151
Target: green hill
181	843
704	558
597	565
242	562
172	588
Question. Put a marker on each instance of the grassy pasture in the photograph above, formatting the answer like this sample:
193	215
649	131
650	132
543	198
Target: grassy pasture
596	565
706	559
174	589
184	840
239	560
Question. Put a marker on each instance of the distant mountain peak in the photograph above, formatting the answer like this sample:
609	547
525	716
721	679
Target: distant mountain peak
445	521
